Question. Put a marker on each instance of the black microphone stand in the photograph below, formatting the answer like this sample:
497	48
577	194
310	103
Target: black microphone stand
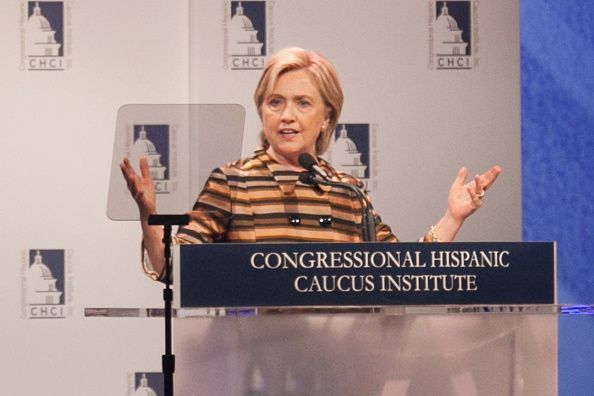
367	216
168	359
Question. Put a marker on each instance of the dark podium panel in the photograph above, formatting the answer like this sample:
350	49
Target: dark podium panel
364	274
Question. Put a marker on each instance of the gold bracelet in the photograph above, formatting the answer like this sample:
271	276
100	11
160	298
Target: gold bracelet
432	235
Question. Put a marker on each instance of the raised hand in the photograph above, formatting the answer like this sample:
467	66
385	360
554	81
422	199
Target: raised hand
141	187
465	198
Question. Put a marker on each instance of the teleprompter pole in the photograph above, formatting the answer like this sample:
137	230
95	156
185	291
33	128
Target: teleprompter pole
168	359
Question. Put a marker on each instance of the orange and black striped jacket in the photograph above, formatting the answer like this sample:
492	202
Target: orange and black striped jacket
259	200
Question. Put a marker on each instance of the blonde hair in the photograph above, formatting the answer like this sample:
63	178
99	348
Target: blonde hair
324	76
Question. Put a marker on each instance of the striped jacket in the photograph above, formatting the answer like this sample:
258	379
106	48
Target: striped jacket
259	200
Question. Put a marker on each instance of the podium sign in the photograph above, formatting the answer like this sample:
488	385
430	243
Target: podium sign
364	274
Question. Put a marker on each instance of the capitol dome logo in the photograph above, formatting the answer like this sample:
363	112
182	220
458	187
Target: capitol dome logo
44	35
153	143
147	384
351	152
246	35
44	277
453	32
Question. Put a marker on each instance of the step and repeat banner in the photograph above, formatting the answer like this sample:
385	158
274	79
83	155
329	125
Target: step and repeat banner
430	86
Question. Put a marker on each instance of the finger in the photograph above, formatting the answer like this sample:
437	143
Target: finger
132	179
144	168
461	176
489	177
478	186
476	200
127	171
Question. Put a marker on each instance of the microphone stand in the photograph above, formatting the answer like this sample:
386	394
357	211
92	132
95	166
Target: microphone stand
367	216
168	359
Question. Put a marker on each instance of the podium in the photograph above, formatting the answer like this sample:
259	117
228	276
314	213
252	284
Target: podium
496	335
366	319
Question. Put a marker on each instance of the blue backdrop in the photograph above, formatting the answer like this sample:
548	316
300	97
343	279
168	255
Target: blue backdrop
557	54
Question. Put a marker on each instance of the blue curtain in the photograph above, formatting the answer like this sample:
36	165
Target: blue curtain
557	55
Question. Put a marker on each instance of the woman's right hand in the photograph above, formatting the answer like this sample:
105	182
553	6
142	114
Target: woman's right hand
141	187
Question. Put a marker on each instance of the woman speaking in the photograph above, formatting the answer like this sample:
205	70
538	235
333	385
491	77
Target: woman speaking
264	198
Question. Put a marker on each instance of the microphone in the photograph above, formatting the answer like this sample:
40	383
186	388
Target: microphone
308	178
315	174
308	162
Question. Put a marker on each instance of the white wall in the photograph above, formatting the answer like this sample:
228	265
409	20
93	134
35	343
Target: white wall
59	125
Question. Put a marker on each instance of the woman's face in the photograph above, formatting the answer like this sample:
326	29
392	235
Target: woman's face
293	114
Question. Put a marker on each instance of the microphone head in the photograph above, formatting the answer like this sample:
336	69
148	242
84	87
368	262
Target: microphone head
306	178
307	161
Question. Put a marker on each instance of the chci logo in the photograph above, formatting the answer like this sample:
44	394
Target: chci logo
351	151
146	384
43	27
153	143
453	32
245	30
44	284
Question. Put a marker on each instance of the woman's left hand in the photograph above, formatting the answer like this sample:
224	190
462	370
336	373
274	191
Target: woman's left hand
465	198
